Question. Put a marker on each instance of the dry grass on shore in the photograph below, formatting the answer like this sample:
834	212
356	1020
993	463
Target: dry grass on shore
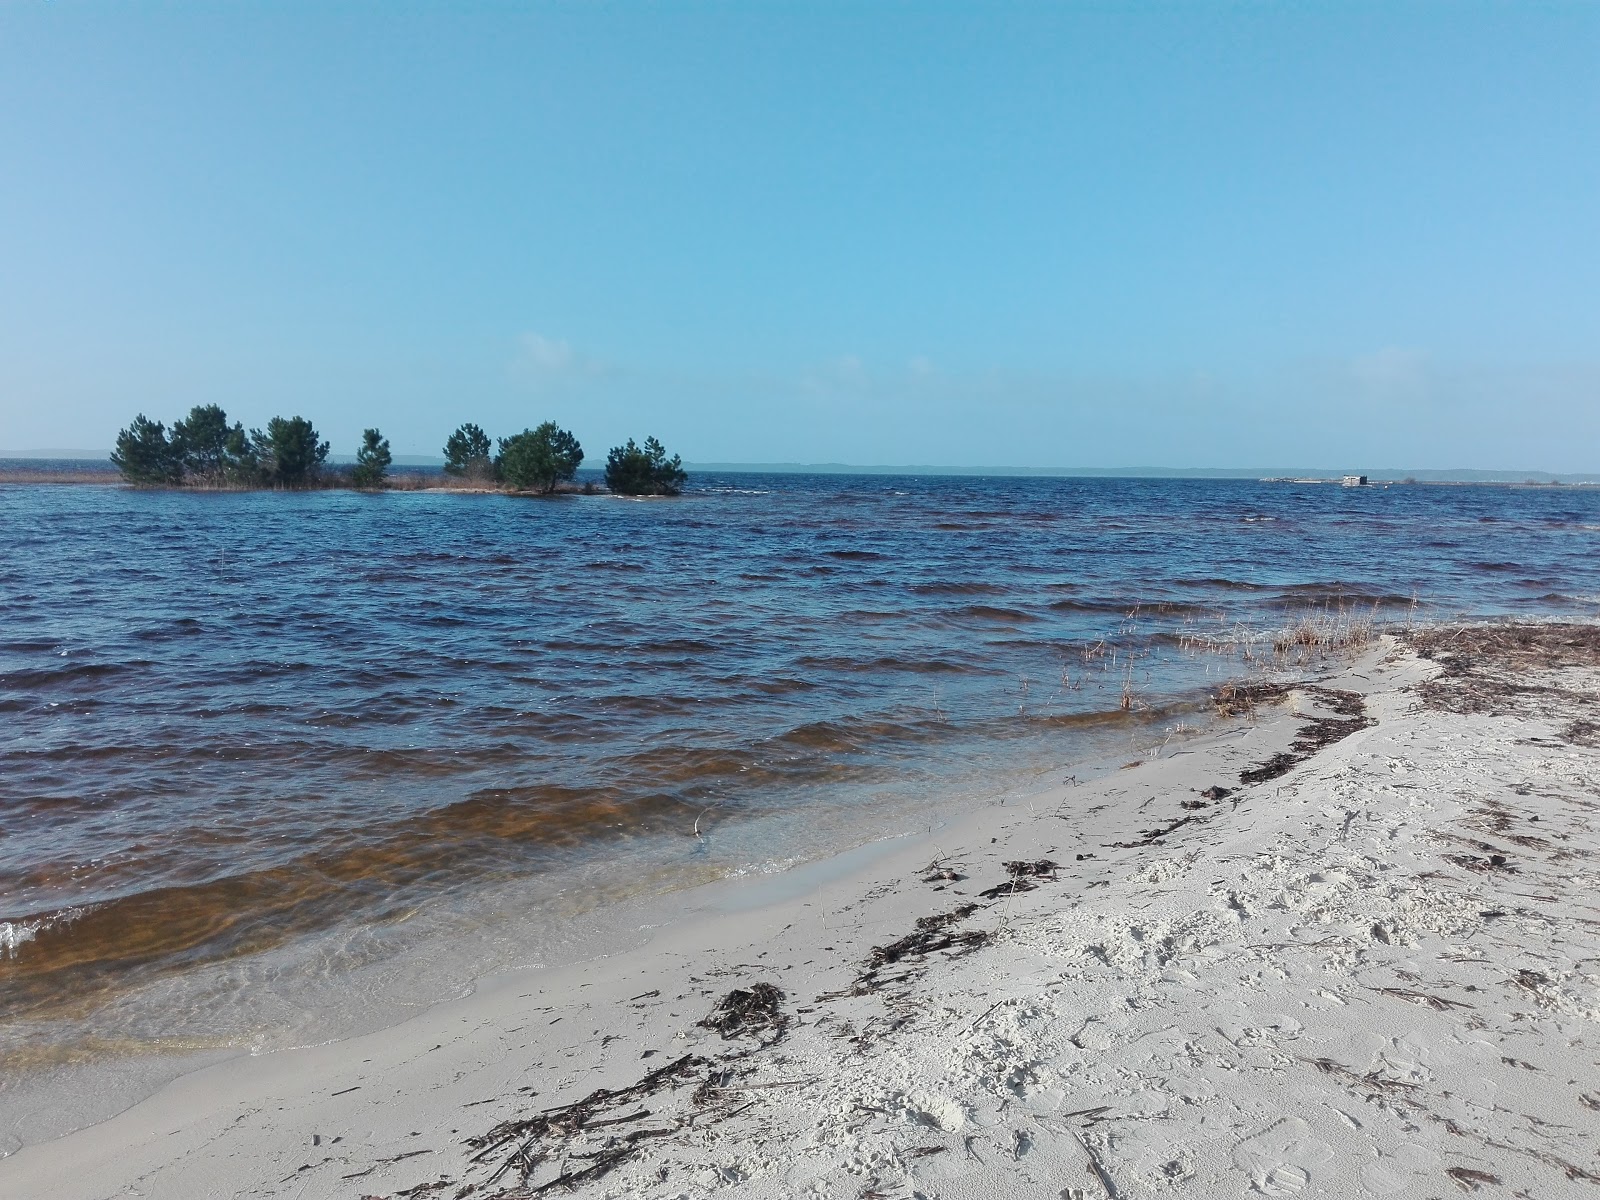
1312	636
21	474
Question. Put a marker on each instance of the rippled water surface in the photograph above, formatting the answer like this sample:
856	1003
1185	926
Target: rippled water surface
231	724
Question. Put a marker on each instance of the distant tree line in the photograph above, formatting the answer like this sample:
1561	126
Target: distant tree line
204	450
540	460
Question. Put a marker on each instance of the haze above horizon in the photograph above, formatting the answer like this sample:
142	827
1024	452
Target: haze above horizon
1177	235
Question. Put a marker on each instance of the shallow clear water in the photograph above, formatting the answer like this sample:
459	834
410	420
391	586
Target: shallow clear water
293	733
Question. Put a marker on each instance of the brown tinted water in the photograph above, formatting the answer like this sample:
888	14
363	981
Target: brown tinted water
249	741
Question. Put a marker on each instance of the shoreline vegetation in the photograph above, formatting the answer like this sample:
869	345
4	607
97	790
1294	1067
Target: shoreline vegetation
204	452
1335	945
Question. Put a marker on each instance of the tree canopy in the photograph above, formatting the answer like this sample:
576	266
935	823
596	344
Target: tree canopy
535	460
631	471
466	454
289	452
144	455
372	460
211	451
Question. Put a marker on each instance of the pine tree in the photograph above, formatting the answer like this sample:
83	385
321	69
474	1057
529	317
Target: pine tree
145	456
466	454
372	460
631	471
289	452
536	460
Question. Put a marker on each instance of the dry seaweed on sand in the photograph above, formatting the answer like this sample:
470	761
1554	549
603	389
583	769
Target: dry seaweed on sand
1020	876
931	935
756	1011
1491	862
1582	733
1278	764
1212	795
1315	733
532	1140
1239	697
1468	1179
1350	717
1151	836
1489	668
1428	999
939	871
525	1144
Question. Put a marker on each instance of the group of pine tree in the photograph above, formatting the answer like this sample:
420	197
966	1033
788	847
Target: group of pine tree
203	450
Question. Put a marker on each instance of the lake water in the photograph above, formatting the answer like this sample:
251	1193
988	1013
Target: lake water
261	754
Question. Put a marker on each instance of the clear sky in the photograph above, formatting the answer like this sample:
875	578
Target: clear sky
1168	234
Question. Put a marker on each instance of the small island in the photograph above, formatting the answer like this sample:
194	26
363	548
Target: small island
203	450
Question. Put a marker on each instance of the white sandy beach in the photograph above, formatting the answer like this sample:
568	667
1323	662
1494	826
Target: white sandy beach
1375	973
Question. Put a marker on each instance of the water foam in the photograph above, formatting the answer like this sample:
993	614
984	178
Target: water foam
16	934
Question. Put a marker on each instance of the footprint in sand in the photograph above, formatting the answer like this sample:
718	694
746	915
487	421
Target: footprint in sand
1407	1165
1279	1159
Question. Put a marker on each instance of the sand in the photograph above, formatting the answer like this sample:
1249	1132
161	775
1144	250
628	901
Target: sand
1374	970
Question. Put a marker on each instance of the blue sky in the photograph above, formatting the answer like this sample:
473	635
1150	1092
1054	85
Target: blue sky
1180	235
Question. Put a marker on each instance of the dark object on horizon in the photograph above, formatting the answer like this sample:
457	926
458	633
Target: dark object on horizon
466	454
372	460
145	456
631	471
289	452
535	460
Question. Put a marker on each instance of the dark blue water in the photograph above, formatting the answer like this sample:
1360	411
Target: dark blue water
229	721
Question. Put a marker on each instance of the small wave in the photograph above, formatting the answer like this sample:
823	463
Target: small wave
1132	608
781	685
991	613
1327	587
18	933
43	677
836	737
14	935
856	555
673	646
184	627
1232	585
1340	600
882	664
959	589
872	614
672	767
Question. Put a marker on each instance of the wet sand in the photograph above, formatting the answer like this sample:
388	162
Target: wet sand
1347	945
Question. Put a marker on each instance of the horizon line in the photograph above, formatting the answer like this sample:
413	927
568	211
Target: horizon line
1384	474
